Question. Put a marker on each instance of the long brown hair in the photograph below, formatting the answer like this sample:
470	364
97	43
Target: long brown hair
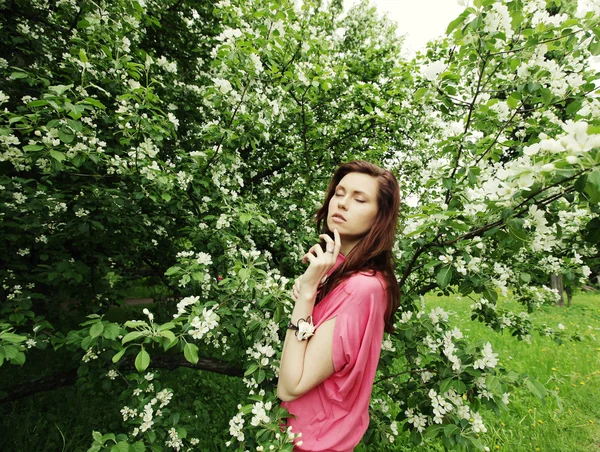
374	251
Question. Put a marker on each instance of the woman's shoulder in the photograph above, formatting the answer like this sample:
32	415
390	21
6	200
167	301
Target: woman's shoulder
367	281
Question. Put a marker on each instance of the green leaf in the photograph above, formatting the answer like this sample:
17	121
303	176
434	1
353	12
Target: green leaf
33	147
117	357
253	368
593	231
172	270
19	359
108	436
166	196
459	386
444	276
16	119
14	338
536	388
137	447
448	182
261	376
592	186
445	385
10	351
57	155
244	274
38	103
574	107
493	384
190	351
513	100
490	294
169	335
142	360
419	93
111	331
75	125
65	135
595	47
59	90
515	227
18	75
96	329
432	431
121	446
135	324
459	20
450	429
94	102
132	336
87	342
166	326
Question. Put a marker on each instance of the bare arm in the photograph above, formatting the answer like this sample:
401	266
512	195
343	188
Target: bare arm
305	364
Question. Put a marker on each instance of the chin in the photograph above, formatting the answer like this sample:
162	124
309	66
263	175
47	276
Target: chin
330	225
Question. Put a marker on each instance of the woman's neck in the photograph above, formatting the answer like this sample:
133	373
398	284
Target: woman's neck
347	246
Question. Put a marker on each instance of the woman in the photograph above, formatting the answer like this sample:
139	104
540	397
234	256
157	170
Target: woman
344	301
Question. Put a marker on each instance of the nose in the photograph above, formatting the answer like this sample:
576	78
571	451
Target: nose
342	203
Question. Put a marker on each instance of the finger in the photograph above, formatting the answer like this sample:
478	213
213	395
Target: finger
318	250
312	250
309	257
337	243
309	252
330	243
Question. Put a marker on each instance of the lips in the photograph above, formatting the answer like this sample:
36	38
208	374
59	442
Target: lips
338	217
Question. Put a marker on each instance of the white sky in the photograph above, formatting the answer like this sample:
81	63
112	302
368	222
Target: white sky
424	20
420	20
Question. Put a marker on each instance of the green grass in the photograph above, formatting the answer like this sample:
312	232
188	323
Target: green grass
568	420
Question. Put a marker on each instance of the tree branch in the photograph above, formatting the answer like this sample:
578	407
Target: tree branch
558	38
467	124
69	377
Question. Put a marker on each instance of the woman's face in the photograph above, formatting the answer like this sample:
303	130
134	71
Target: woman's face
353	207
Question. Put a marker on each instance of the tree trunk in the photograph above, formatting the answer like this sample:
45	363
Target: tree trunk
557	283
569	291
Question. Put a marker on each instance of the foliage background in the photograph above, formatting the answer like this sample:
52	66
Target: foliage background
183	146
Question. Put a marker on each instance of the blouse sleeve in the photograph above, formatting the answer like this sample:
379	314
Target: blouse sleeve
359	322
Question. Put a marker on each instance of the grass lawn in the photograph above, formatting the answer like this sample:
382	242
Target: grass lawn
568	420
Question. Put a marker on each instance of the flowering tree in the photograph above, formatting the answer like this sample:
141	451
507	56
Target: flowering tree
191	143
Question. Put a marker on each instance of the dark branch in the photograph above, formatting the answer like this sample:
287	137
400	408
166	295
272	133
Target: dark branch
69	378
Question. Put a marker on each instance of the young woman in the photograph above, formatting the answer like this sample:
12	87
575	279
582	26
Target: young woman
344	301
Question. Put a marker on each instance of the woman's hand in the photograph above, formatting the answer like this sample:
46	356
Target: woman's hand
320	262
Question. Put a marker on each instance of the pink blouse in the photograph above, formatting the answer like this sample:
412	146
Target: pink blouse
334	415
